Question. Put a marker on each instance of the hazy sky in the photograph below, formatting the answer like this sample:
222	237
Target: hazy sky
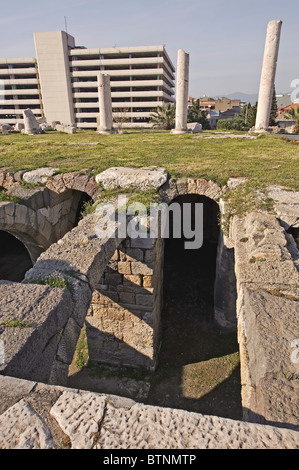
225	39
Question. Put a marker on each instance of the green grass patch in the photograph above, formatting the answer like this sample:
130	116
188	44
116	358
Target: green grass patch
52	281
246	197
82	355
267	159
17	324
4	197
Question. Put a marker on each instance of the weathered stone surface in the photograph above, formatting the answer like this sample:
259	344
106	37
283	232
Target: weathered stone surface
136	178
206	188
19	127
12	390
182	87
40	175
6	128
97	421
166	428
31	126
69	338
105	119
43	311
269	325
267	285
80	416
268	75
22	428
65	128
286	205
194	127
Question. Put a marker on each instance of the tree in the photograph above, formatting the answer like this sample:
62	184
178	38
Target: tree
251	116
163	117
196	114
293	114
273	112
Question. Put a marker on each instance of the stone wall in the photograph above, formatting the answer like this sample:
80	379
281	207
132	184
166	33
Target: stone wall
123	301
40	324
266	266
122	324
47	207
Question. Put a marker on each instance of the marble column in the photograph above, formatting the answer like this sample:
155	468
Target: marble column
268	75
105	121
182	86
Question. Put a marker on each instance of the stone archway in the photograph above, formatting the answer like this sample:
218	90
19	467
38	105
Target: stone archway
28	226
15	259
193	343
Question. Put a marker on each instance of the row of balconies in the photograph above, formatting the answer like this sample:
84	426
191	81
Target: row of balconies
106	63
127	84
17	92
128	94
130	104
124	73
19	81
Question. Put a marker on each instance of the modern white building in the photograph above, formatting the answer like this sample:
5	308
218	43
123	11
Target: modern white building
19	89
61	83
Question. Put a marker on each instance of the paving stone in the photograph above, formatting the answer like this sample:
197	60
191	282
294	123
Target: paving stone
22	428
80	416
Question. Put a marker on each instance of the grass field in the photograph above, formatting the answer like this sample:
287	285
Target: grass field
266	160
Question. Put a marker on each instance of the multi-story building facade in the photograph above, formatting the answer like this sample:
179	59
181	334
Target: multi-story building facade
61	83
19	89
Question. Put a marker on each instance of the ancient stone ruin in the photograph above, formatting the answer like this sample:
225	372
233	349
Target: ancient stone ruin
113	287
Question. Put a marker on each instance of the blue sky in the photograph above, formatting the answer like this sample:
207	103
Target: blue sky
225	39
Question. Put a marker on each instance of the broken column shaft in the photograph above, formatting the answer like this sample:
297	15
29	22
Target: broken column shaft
268	75
182	86
105	105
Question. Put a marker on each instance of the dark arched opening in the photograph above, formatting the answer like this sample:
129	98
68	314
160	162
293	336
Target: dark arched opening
82	206
198	367
191	272
15	260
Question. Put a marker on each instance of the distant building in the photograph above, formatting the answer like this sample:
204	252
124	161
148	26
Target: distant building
229	113
283	100
60	84
223	104
213	117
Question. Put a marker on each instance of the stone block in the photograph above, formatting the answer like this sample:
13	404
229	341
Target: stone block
68	342
141	268
40	175
124	267
134	254
143	299
135	178
113	279
127	297
147	281
22	428
43	311
132	280
194	127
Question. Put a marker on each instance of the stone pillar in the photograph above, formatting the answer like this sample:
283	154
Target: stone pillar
105	121
182	84
268	75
